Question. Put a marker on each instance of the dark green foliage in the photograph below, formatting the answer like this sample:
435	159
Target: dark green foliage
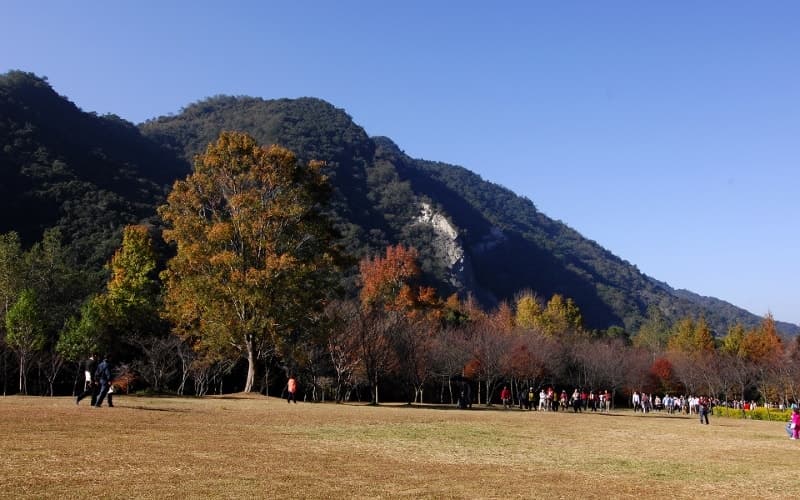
85	175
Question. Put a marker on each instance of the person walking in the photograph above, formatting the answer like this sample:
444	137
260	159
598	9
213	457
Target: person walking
505	396
103	376
702	409
795	423
291	389
89	383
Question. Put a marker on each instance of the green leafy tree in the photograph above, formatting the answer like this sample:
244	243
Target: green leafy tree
11	280
733	340
255	260
131	301
682	338
654	333
82	334
25	332
133	285
11	270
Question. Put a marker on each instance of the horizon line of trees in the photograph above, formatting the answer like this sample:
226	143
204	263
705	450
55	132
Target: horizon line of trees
253	289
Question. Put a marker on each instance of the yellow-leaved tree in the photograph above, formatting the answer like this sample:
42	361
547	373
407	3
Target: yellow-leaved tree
255	258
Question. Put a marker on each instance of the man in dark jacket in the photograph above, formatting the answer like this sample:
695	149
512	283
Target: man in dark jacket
90	382
103	376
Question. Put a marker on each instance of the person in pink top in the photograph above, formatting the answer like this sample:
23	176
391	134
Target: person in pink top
795	423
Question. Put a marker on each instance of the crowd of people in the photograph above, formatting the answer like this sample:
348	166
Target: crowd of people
581	400
549	399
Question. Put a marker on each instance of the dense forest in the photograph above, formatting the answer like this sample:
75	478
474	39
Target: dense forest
72	183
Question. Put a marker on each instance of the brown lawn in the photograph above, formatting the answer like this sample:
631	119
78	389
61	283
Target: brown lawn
245	446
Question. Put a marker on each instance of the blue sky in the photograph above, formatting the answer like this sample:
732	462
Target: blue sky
668	132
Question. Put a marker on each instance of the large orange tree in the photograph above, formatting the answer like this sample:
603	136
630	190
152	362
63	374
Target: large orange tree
254	258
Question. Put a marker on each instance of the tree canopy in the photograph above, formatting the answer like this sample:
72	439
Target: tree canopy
255	260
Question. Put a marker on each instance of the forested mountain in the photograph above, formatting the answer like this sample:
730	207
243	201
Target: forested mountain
84	174
90	175
506	244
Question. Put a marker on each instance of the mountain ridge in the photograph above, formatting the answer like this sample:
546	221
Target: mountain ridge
380	194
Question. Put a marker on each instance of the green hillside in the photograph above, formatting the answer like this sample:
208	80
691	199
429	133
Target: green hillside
90	175
84	174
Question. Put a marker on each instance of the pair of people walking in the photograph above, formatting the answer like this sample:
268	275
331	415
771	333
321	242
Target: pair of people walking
97	382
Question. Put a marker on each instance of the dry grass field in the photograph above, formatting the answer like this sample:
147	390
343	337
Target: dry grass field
245	446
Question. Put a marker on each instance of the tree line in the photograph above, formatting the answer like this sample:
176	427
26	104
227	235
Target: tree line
250	288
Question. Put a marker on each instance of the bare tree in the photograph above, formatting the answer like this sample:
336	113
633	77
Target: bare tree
413	344
375	330
186	356
614	363
343	343
529	359
160	362
688	371
449	355
490	350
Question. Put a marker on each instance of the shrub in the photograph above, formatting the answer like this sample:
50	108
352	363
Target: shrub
757	414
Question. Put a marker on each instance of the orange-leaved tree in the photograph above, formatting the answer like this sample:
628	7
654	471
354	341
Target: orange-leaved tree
386	281
764	349
390	290
255	260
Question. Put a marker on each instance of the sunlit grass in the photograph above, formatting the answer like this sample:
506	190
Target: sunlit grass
254	447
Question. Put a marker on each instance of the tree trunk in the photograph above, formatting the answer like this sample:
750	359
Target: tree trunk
77	377
251	364
450	387
376	393
23	385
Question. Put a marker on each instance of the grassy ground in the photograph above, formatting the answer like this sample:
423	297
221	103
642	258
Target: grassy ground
255	447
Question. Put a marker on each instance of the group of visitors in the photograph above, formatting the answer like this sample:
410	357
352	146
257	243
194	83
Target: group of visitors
551	400
97	382
687	405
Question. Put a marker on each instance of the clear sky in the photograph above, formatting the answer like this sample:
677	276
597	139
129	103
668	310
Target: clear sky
668	132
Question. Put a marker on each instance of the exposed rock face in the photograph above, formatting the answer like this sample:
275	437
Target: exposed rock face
448	246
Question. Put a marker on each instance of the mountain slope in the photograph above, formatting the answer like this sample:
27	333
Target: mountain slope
506	245
84	174
90	175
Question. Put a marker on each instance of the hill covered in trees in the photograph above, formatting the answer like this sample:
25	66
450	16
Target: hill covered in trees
90	175
505	245
83	174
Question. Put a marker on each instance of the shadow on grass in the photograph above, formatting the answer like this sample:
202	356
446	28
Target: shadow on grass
169	410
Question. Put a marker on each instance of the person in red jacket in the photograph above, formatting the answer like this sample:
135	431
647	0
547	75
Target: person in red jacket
505	395
291	389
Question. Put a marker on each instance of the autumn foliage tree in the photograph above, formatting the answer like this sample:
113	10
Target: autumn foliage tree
763	348
390	282
255	259
390	288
